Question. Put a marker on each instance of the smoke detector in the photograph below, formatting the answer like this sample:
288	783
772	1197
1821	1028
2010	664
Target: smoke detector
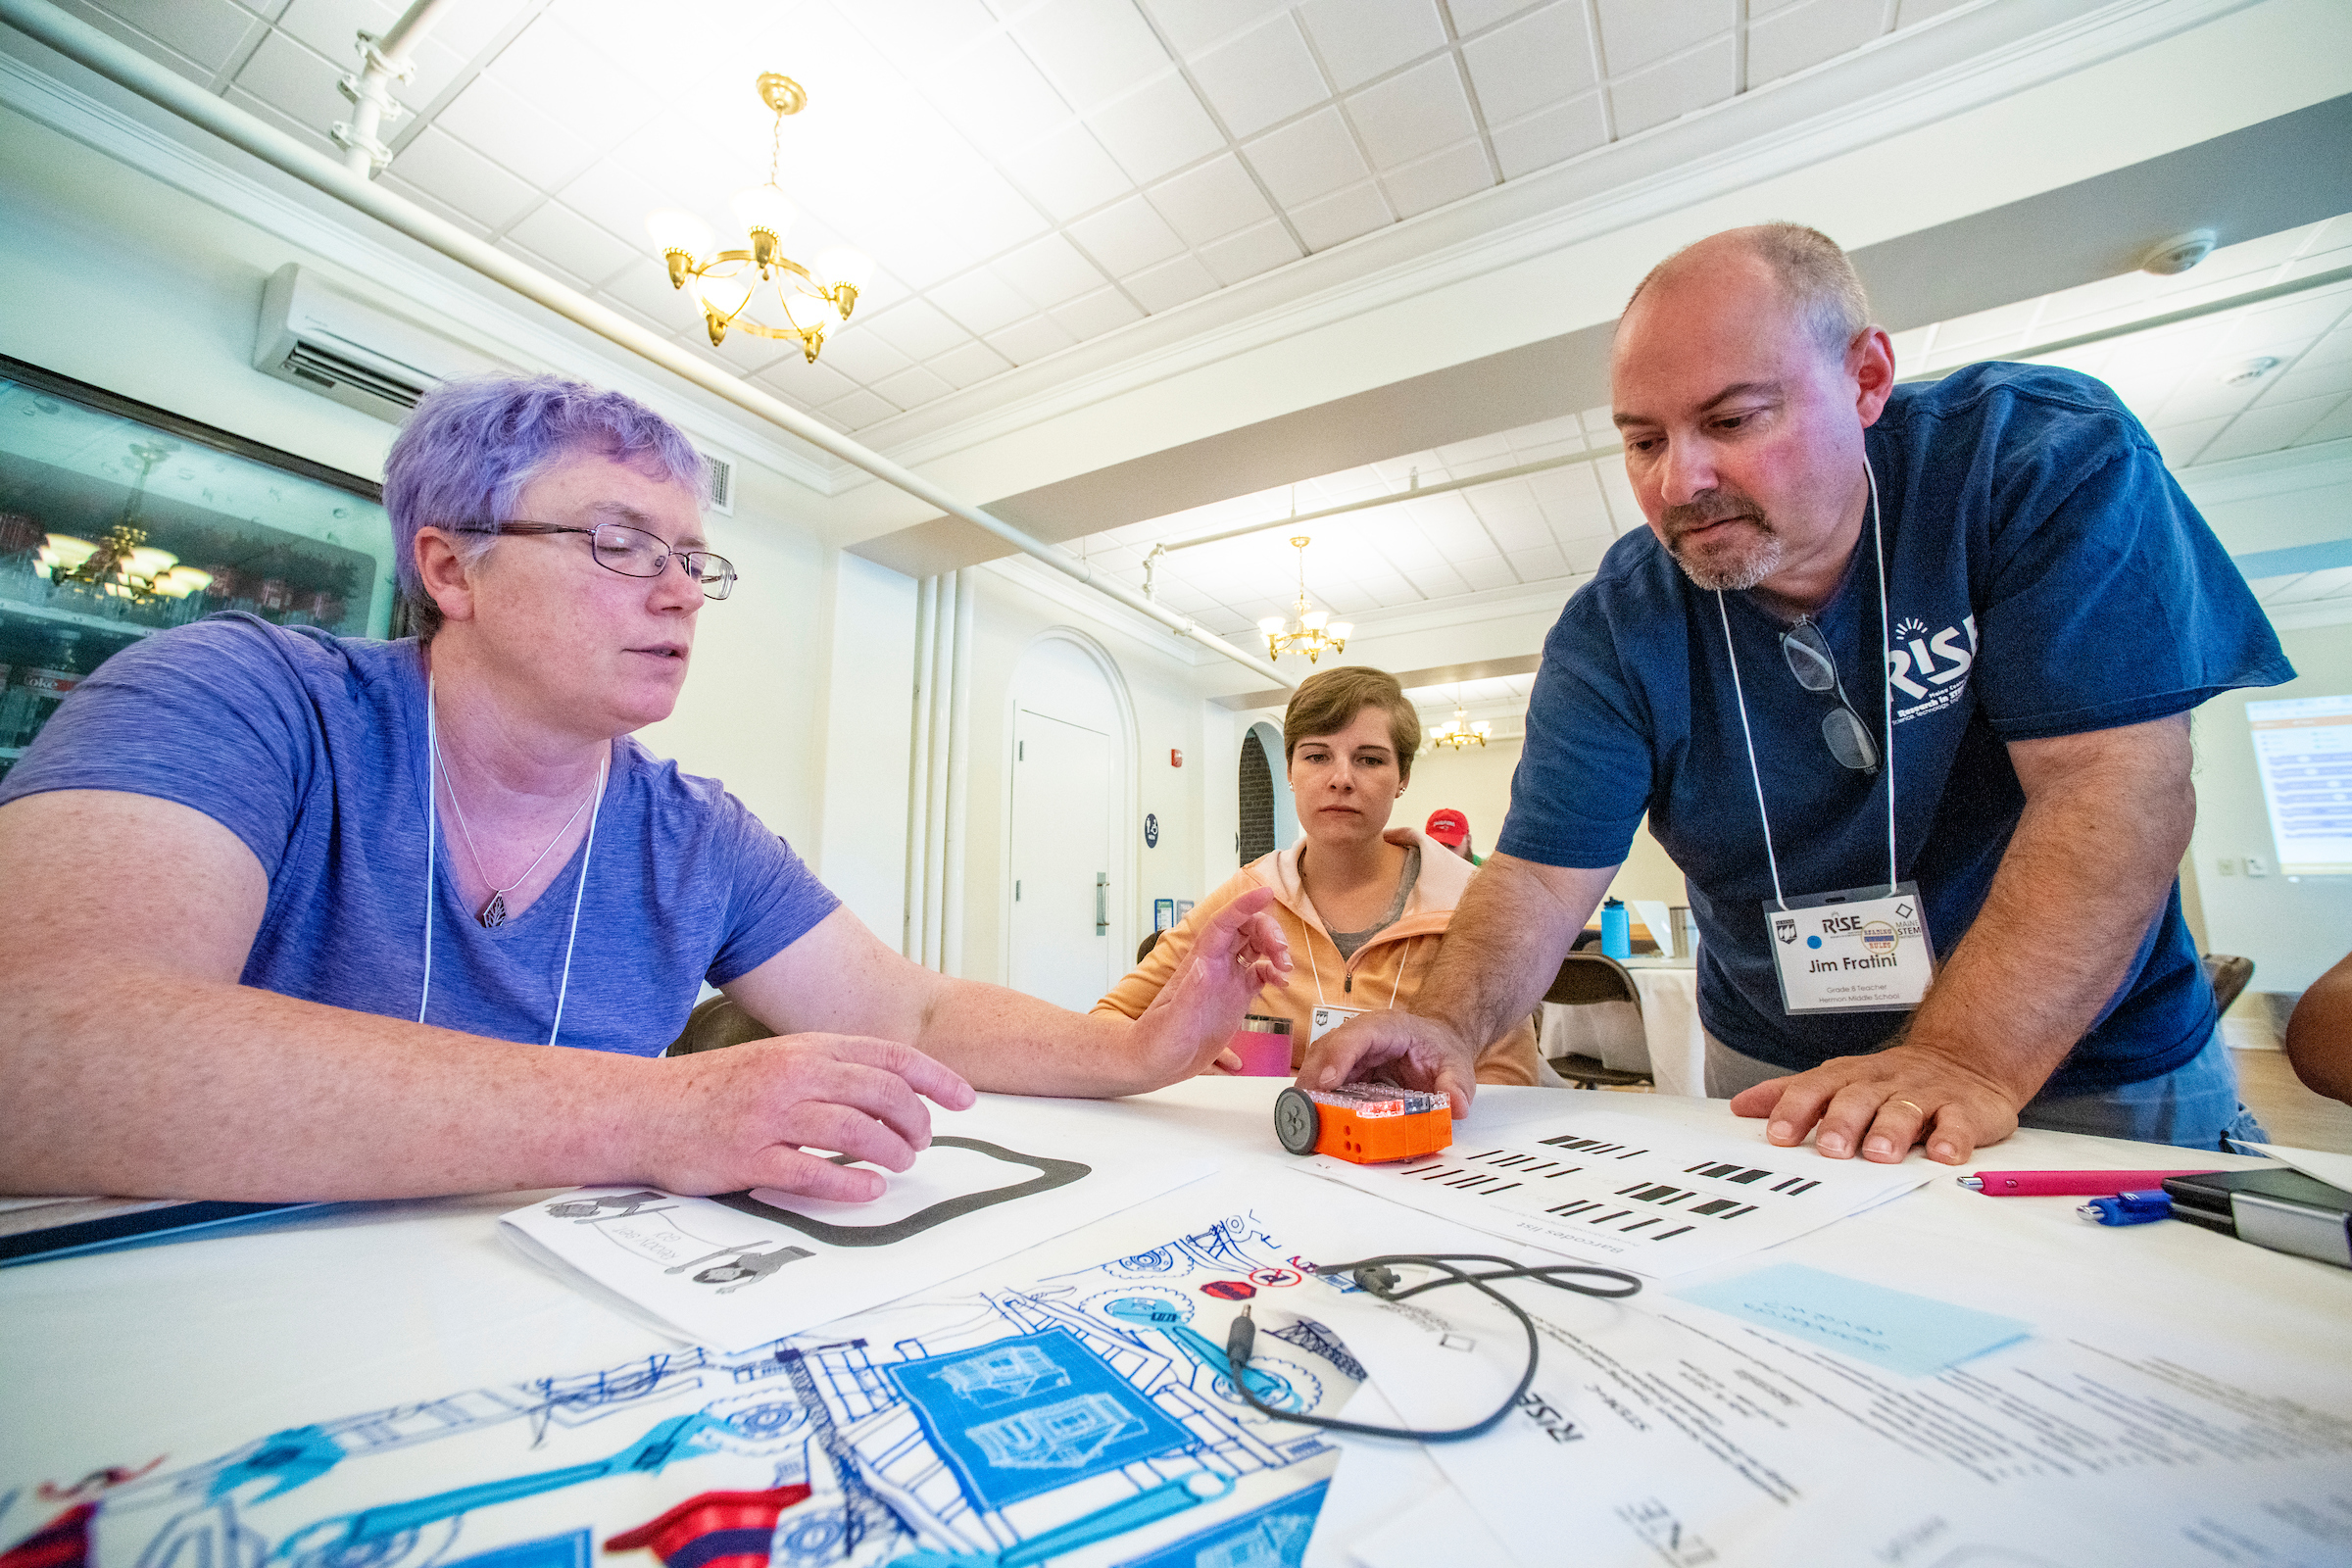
2251	370
2168	257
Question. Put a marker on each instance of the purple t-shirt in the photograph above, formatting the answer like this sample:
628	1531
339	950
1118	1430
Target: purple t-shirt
311	749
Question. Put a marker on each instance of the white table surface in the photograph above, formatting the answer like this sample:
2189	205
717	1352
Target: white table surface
183	1349
1677	1058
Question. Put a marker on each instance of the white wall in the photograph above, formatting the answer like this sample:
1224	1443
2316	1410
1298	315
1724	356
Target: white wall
2292	930
1477	782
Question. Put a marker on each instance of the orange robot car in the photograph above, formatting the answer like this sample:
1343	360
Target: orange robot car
1364	1123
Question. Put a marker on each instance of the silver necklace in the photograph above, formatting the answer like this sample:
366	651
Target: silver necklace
493	914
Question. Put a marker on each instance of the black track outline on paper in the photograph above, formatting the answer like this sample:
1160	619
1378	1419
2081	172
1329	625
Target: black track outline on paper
1050	1173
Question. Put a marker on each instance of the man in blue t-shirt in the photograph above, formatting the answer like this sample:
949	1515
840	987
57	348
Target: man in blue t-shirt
293	916
1901	676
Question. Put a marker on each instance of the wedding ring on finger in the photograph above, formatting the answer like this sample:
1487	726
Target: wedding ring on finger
1914	1104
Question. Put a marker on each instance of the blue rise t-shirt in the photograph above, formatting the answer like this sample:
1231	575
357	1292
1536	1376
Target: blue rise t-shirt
2044	577
311	749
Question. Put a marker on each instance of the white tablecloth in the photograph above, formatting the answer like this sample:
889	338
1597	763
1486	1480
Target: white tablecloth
1677	1047
186	1348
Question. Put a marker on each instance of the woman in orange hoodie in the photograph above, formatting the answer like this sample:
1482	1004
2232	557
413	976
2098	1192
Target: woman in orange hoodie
1364	906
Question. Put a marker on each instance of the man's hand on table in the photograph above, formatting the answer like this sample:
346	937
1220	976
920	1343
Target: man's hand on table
1239	952
746	1116
1884	1104
1399	1048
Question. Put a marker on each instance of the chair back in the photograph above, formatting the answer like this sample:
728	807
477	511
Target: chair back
2230	975
1588	977
1143	949
715	1024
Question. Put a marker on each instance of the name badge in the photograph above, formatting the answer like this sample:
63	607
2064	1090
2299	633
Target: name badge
1326	1019
1863	949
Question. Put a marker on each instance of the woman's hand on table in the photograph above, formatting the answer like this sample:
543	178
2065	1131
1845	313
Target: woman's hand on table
1882	1103
747	1116
1399	1048
1239	952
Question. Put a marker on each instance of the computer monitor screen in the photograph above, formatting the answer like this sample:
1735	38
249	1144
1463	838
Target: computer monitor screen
2303	746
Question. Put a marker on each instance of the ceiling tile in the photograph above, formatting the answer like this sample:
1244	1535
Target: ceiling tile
647	290
2336	426
1068	173
1307	158
547	264
205	32
1665	92
1128	238
1211	200
551	70
917	329
1342	216
490	118
1801	35
1050	273
1094	50
297	81
1485	573
2311	377
863	358
1192	26
1158	127
1637	33
1551	137
1413	114
914	387
615	200
1457	171
566	238
1585	555
914	33
1251	252
980	302
859	410
1262	77
994	95
1910	11
659	58
1474	15
443	167
2269	426
970	365
1359	39
1031	339
332	26
2182	442
1536	61
1540	565
1171	283
806	385
1571	498
1511	517
1093	314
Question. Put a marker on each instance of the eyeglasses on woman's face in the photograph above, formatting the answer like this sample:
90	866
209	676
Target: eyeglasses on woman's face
632	552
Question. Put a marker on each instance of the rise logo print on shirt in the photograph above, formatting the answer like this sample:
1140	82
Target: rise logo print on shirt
1930	673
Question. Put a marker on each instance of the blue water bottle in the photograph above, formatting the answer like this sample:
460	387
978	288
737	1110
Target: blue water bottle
1616	930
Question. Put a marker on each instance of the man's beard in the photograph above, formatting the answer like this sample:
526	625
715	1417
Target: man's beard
1731	565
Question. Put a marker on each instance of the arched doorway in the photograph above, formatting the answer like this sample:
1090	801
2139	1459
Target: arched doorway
1269	817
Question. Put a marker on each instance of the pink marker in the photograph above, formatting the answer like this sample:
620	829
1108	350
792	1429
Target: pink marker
2067	1183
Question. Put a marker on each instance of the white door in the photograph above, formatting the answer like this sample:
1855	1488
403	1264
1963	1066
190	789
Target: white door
1061	934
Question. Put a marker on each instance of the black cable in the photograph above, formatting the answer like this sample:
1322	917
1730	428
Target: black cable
1374	1276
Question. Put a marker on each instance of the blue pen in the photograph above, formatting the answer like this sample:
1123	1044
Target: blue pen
2128	1208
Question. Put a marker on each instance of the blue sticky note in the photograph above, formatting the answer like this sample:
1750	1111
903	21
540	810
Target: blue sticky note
1916	1336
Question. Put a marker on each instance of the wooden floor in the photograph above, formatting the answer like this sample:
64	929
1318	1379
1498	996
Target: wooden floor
2291	1113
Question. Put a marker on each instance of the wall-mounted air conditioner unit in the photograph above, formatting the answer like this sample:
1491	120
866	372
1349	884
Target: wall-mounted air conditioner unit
318	337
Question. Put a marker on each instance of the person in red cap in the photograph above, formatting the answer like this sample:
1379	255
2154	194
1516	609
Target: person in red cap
1451	828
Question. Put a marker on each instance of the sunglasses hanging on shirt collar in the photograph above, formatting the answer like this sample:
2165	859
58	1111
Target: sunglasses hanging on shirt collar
1841	728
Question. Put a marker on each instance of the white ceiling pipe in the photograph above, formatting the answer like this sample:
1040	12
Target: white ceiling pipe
382	62
159	84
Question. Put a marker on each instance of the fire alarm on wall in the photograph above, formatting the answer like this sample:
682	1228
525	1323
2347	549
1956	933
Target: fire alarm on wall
1175	758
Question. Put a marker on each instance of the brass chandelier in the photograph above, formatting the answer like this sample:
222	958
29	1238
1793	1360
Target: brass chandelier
1458	733
756	288
1315	634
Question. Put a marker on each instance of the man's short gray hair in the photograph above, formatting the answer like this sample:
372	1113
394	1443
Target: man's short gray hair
1818	279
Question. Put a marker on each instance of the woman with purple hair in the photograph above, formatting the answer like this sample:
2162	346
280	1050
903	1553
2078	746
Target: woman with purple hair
298	917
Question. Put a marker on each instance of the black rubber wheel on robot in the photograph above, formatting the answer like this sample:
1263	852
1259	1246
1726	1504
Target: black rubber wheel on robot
1297	1121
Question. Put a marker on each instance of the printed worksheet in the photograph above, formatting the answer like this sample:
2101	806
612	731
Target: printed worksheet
743	1267
1617	1190
1660	1431
1084	1419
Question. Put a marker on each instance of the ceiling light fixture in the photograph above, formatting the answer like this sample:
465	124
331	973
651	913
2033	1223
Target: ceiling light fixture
2253	369
1457	732
798	303
1316	633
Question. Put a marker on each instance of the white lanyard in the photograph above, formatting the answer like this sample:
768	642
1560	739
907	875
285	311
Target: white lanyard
432	760
1317	969
1878	539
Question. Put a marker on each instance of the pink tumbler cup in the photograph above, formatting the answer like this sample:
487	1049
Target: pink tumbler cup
1264	1045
